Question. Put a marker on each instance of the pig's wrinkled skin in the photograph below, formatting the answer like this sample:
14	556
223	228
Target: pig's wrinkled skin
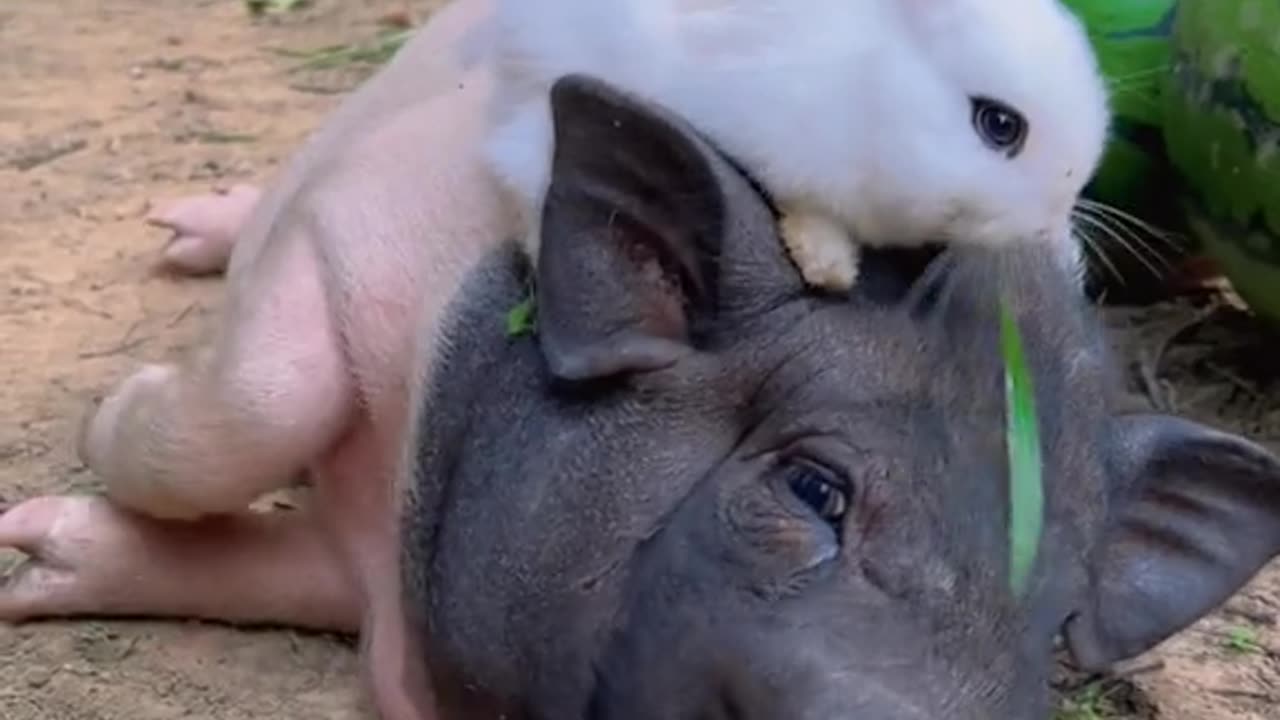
361	239
698	491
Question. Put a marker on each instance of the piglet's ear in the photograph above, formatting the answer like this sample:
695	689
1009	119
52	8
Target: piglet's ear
631	231
1195	514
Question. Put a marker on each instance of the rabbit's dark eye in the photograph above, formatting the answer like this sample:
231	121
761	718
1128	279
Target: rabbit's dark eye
1000	126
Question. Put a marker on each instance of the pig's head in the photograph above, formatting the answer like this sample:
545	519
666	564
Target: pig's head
700	491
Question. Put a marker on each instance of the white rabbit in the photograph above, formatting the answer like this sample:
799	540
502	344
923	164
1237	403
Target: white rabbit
869	121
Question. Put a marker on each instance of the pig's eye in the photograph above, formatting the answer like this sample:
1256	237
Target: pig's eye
820	489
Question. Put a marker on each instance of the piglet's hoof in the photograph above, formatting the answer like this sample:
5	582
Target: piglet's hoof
87	556
204	229
72	545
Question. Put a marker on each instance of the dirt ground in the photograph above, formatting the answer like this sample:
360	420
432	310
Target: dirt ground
108	106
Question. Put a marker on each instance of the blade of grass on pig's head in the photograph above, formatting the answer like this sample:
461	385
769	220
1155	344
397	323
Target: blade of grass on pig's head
1022	437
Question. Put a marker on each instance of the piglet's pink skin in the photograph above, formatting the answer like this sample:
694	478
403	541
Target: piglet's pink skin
332	272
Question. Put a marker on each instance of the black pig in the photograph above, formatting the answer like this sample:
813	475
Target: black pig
700	492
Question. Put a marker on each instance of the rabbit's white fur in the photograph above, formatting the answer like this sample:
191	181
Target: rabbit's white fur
854	114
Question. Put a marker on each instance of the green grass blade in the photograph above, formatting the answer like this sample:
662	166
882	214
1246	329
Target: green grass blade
1026	488
521	319
377	51
274	7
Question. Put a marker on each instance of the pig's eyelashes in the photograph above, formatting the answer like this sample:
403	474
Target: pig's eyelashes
825	492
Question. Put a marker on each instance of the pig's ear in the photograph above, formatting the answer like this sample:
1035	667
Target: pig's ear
1195	514
631	230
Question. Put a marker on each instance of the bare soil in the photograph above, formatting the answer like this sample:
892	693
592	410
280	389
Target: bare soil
108	106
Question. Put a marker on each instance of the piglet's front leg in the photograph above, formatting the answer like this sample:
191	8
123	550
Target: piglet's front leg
820	247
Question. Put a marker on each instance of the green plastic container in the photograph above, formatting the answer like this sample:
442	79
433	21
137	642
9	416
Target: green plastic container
1222	132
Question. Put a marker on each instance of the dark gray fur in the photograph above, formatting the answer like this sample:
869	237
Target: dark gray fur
600	525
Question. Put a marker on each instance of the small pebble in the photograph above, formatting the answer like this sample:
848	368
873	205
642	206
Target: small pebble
37	677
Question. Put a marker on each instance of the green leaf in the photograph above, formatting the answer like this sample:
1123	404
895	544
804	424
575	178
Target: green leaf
258	7
1243	640
377	51
1022	435
521	319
